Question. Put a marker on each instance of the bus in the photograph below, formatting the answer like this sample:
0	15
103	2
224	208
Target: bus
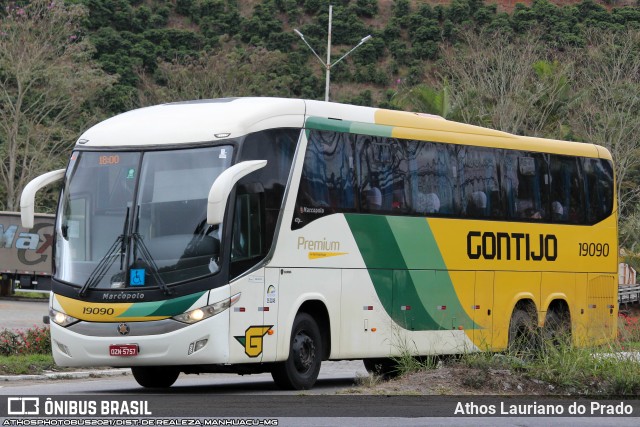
255	235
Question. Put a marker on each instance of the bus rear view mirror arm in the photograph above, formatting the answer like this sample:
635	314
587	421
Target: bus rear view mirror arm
28	196
222	187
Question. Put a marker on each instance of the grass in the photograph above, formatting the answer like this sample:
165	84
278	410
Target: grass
603	371
32	295
26	364
631	346
25	351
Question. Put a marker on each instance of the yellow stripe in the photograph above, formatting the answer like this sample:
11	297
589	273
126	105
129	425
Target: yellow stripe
99	312
317	255
413	126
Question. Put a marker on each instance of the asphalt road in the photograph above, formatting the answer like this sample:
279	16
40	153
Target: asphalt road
21	314
333	401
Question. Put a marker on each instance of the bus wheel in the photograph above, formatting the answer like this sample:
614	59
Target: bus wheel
557	328
524	337
384	367
155	376
300	370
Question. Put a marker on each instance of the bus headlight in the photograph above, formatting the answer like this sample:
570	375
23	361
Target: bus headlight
205	312
60	318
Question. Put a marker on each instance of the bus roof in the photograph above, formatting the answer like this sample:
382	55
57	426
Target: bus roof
194	122
201	121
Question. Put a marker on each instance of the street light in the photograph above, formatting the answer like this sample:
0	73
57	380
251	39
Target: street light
328	65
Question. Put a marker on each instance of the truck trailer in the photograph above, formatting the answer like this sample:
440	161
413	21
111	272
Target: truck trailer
25	254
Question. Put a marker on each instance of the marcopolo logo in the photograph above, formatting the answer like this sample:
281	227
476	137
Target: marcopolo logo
23	406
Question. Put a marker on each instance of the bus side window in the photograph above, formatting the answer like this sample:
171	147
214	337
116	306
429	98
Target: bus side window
525	184
327	184
479	182
567	203
246	242
598	175
430	178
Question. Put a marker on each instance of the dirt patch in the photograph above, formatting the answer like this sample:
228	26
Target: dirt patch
457	379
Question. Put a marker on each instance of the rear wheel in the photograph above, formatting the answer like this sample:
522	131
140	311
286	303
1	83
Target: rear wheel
300	371
557	328
155	376
524	337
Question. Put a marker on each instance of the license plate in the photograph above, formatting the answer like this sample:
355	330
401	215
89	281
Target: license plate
123	350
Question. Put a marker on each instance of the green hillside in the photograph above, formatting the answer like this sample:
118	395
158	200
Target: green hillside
568	72
155	36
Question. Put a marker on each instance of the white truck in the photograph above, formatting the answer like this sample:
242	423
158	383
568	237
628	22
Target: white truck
25	254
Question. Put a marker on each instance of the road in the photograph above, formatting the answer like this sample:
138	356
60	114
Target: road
22	314
335	400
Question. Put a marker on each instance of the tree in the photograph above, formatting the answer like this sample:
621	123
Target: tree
46	82
505	84
606	113
253	71
424	99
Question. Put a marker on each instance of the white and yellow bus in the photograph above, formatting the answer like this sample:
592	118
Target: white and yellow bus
267	235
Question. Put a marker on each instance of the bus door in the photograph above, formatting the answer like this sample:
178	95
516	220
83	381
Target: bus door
270	305
247	324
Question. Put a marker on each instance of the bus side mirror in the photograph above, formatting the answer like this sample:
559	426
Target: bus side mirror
222	186
28	196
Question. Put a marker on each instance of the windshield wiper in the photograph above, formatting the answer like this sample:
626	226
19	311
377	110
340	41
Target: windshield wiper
107	260
148	259
103	266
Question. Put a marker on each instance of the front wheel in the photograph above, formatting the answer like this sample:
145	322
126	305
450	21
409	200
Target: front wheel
155	376
300	371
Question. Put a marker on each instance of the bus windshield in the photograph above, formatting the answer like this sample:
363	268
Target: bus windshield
137	220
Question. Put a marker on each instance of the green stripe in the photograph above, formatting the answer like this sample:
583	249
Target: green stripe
169	308
407	270
376	241
321	123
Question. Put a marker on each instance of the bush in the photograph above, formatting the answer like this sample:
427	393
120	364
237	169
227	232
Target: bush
628	328
36	340
9	342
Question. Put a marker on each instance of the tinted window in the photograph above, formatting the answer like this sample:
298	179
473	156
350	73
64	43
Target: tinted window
525	185
259	195
567	203
328	181
383	169
479	183
374	174
432	178
598	189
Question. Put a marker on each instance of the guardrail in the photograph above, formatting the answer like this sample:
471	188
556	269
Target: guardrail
628	294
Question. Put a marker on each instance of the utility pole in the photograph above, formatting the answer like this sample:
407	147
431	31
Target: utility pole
328	65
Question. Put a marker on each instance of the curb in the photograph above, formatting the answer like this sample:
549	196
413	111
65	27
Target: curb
67	375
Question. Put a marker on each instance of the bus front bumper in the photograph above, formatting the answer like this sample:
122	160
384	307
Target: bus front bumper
184	346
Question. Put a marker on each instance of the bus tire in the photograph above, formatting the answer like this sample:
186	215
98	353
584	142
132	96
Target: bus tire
524	337
384	367
557	328
155	376
300	370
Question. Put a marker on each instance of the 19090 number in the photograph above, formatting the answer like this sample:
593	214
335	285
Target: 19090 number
593	249
98	310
